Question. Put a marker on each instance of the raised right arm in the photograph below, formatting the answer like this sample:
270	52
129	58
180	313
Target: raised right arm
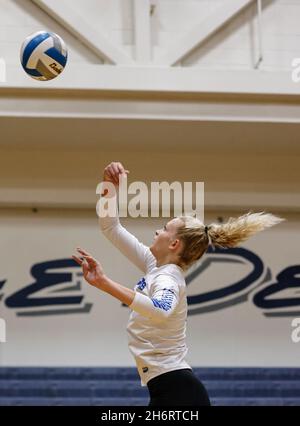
139	254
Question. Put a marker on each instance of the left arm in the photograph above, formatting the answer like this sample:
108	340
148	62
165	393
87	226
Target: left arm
159	307
94	275
120	292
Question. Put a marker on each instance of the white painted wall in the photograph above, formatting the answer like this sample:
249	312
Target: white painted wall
233	47
20	18
236	45
239	335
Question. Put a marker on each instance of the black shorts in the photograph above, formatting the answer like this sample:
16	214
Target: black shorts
175	388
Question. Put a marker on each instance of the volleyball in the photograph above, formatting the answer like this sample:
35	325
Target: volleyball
44	55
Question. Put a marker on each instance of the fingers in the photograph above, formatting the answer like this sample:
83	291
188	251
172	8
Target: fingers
81	260
108	176
111	176
121	169
77	259
87	263
86	256
113	170
91	261
85	268
82	251
83	263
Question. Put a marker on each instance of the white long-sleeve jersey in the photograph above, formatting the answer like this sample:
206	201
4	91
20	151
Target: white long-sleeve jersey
157	324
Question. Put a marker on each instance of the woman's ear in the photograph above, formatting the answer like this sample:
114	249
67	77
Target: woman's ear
175	244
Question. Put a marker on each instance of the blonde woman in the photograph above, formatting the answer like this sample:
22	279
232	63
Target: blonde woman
157	324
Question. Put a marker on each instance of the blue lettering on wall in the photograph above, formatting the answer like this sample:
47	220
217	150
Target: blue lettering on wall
286	279
47	278
44	278
234	288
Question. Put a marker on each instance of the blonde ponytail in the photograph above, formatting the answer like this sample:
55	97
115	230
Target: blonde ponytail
197	237
237	230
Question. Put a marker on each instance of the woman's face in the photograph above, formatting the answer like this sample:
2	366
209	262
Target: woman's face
164	237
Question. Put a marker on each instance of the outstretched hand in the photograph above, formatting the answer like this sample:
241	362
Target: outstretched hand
92	270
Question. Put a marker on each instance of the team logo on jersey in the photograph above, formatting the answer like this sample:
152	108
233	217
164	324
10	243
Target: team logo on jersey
166	300
141	284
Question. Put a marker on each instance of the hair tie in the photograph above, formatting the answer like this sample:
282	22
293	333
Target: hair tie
206	229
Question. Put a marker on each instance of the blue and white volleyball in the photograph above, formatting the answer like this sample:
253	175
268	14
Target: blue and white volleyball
44	55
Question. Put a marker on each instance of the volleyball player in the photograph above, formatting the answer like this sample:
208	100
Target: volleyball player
157	323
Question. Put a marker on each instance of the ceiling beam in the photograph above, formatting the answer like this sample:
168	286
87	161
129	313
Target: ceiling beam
147	109
200	32
91	37
176	80
110	104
